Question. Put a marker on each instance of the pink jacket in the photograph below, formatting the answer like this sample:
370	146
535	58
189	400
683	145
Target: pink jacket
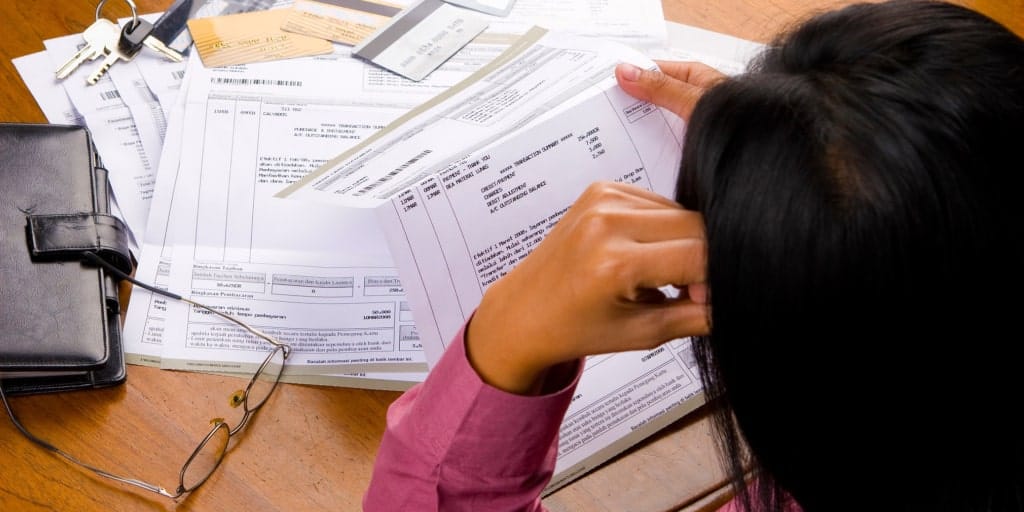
454	443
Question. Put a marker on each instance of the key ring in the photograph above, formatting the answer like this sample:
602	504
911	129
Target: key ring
135	13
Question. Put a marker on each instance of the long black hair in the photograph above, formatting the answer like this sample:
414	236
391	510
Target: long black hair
862	191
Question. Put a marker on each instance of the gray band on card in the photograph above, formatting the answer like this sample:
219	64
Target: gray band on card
399	26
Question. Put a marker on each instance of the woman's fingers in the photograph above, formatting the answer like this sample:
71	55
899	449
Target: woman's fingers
640	225
624	209
676	87
677	319
610	192
675	262
587	287
696	74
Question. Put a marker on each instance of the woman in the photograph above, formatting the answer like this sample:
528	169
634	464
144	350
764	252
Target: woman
848	237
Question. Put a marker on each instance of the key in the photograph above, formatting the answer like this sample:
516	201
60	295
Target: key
96	37
111	48
134	37
171	26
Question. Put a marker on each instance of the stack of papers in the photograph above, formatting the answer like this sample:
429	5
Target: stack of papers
197	154
358	214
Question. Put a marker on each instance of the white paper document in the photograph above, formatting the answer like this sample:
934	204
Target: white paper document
152	317
163	78
146	316
118	139
339	79
638	23
318	276
327	103
148	117
461	230
539	73
493	7
36	70
532	131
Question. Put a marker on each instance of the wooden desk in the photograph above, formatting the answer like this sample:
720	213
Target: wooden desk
311	448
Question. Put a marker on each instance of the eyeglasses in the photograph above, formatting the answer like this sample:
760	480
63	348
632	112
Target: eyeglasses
210	451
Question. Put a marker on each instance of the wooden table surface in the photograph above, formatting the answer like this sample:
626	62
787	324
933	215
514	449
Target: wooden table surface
310	448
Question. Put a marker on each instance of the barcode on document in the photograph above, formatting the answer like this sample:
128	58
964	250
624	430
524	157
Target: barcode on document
112	94
256	81
387	177
179	74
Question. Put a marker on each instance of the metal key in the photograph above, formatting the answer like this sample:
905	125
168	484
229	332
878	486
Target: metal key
135	36
96	38
111	48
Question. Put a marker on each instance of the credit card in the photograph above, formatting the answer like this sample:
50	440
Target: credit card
251	37
344	21
420	38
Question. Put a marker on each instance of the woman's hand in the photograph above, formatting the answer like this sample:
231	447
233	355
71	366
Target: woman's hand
677	87
591	287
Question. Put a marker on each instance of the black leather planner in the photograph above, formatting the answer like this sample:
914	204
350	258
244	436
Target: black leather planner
60	324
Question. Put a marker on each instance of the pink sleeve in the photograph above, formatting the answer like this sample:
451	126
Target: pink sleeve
454	443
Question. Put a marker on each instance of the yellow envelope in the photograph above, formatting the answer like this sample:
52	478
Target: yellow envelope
344	21
251	37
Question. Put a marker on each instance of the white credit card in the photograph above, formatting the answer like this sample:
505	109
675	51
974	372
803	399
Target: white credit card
494	7
420	38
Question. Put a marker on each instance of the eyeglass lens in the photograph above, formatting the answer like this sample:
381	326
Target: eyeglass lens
205	459
265	379
211	450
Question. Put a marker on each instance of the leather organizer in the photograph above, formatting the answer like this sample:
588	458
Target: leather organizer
60	328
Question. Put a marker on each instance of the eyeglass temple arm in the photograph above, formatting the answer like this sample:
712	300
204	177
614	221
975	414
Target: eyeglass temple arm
94	258
49	447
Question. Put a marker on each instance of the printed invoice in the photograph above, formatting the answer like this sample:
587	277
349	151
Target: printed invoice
317	276
535	129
